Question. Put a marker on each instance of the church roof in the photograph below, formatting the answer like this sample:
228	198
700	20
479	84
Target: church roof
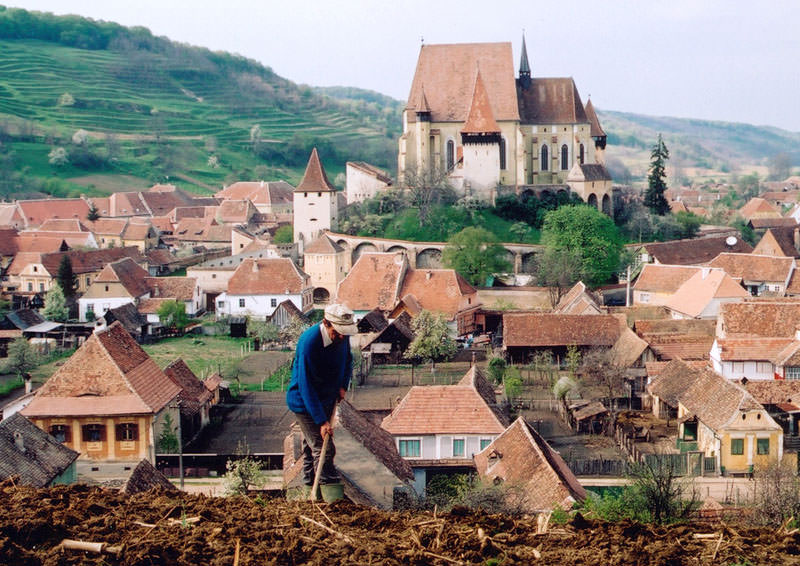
596	129
551	101
314	179
448	73
480	119
524	66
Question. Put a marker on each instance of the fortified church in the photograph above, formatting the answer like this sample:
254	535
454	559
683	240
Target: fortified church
491	133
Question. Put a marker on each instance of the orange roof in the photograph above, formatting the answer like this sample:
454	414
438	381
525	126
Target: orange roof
271	276
62	225
259	192
480	119
751	267
180	288
742	349
705	286
757	207
108	374
314	179
658	278
534	330
126	272
447	74
373	282
438	290
108	226
443	409
151	306
35	212
761	318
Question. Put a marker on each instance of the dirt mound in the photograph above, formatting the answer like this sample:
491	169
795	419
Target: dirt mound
168	528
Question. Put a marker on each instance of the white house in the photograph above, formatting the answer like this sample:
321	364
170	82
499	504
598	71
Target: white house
257	287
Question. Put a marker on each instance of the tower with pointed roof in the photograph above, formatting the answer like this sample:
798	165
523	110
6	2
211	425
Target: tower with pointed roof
480	139
315	204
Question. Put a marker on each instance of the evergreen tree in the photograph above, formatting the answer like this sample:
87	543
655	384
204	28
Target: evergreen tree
55	305
66	277
654	198
93	213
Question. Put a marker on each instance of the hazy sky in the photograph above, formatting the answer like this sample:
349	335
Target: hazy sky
718	59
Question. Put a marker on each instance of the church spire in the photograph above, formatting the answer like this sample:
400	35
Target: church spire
524	67
480	119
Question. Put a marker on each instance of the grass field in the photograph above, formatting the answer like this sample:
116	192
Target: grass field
203	354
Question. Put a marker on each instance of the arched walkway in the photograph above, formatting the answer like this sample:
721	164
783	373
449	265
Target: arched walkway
429	258
362	248
321	296
592	200
607	205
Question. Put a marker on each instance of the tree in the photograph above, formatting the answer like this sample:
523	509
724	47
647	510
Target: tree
426	189
780	166
21	358
172	315
55	305
283	235
654	198
243	473
432	339
599	369
66	278
58	156
659	490
93	213
559	270
520	230
588	236
475	254
777	493
264	331
168	438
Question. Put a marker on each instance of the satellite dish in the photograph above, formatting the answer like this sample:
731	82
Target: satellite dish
730	241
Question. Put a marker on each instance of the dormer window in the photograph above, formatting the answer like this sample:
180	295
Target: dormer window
35	268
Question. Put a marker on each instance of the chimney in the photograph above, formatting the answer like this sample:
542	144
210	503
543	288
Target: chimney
18	441
262	184
428	275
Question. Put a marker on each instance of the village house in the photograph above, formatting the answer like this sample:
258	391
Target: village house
718	418
537	477
758	207
578	300
259	285
758	274
668	339
441	427
120	282
327	263
235	212
35	212
780	242
30	456
389	344
364	181
369	466
657	283
273	197
194	400
207	232
109	401
701	295
697	251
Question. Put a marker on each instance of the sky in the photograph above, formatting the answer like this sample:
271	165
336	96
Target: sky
728	60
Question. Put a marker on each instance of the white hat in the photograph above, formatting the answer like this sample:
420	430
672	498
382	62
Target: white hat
341	318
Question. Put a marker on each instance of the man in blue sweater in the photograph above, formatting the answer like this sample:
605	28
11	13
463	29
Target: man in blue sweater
321	374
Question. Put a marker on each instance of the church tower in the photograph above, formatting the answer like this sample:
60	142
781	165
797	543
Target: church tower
524	67
425	145
315	205
597	133
481	140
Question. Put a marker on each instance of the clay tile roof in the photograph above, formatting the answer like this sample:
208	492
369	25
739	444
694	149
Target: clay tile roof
373	282
762	223
323	245
717	401
741	349
314	179
235	211
551	101
138	231
576	301
126	204
781	238
751	267
449	89
36	212
272	276
145	477
769	319
443	409
63	225
178	288
151	306
108	226
480	119
259	192
673	380
704	288
160	257
91	261
128	315
438	290
538	330
654	369
8	241
774	391
193	393
658	278
40	459
628	348
109	374
378	441
421	105
757	207
373	321
520	456
596	129
697	251
128	273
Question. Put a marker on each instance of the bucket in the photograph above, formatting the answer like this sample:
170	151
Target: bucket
331	492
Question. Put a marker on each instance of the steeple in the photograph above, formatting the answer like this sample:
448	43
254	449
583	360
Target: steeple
480	120
314	180
423	108
524	67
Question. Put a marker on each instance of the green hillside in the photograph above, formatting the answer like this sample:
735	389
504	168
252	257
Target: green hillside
155	110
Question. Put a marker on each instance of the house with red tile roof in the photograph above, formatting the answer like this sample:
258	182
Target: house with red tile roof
72	231
578	300
30	456
758	274
539	479
11	217
327	263
194	400
235	212
688	339
109	401
202	231
35	212
444	426
658	282
701	295
269	197
780	242
120	282
696	251
258	286
719	415
185	290
757	207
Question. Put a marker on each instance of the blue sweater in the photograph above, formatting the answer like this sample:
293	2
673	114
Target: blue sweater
317	375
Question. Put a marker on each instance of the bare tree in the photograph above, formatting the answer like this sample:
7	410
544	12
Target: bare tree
777	493
662	493
427	188
559	269
600	370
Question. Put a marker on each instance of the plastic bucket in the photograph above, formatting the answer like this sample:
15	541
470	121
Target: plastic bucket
331	492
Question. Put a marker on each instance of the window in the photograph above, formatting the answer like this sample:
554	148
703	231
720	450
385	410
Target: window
41	286
792	372
458	448
30	286
127	432
106	288
762	446
213	276
273	302
485	442
241	303
564	157
35	268
88	281
737	446
545	165
409	448
94	433
220	304
60	432
764	367
451	154
580	154
502	153
644	298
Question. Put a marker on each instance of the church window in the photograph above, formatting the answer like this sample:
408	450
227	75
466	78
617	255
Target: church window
451	154
545	165
580	155
502	153
564	157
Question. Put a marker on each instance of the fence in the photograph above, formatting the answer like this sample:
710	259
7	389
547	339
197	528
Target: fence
598	467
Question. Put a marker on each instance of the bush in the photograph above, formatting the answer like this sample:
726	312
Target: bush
497	368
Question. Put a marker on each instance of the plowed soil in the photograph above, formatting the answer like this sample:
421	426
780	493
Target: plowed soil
194	529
